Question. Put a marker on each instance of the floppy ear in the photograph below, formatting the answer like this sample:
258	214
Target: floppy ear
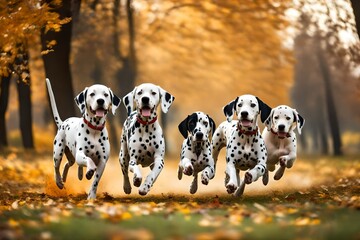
269	120
265	110
212	125
166	100
300	121
183	127
115	101
128	101
229	109
80	101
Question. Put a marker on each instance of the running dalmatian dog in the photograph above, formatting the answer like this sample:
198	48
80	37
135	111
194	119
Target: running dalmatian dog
142	139
84	140
196	149
245	148
280	138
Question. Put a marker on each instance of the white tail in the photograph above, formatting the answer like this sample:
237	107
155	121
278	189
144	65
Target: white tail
57	119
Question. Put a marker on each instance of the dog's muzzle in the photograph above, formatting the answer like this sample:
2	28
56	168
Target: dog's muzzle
146	111
99	112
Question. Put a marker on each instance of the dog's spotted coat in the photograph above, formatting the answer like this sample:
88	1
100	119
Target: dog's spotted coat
245	148
196	155
142	139
84	140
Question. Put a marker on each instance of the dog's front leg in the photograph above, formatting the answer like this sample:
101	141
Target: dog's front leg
134	168
84	160
231	185
187	166
240	190
99	171
151	178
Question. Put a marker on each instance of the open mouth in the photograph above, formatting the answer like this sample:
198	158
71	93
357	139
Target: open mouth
282	134
145	111
100	112
246	122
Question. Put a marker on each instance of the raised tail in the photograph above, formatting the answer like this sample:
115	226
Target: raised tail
57	119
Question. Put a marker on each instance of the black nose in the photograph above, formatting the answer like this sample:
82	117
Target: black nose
145	100
281	127
244	114
100	101
199	135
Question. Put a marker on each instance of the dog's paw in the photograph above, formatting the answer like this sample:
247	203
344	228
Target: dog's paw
283	161
60	184
230	188
265	178
89	174
180	173
205	178
189	170
137	181
143	190
248	178
127	188
279	173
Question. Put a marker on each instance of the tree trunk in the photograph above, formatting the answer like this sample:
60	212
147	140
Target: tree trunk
127	74
25	110
356	8
330	105
4	99
57	66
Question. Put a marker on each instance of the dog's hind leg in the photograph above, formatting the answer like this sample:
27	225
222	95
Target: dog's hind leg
71	161
124	163
217	143
194	184
59	148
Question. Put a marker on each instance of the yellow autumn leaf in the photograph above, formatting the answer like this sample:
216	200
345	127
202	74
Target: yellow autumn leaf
13	223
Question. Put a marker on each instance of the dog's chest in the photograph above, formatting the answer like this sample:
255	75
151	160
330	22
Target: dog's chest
247	151
199	154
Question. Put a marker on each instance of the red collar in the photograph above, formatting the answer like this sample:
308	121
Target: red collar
275	133
248	133
99	128
139	120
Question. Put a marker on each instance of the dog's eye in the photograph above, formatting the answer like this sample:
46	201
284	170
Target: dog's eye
153	93
92	94
240	105
106	95
205	124
139	93
276	117
288	118
253	105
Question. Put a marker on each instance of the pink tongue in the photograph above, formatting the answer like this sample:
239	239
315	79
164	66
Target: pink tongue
246	123
146	112
100	112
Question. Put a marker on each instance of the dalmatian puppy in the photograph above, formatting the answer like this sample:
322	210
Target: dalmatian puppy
195	155
142	139
280	138
245	148
84	140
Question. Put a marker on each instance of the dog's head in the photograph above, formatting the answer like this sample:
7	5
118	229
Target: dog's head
199	125
247	108
145	98
97	100
284	119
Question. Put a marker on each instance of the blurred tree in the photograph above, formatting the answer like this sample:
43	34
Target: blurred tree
356	9
322	28
20	21
57	59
